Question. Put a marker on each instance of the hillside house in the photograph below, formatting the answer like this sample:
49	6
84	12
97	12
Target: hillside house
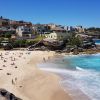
57	33
24	32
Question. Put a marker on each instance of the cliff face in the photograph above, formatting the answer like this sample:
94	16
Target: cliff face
5	95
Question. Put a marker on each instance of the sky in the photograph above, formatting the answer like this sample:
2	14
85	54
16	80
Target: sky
64	12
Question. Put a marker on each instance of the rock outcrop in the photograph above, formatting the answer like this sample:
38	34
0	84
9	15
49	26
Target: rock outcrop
5	95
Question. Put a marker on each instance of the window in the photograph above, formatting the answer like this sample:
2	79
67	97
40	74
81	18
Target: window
21	29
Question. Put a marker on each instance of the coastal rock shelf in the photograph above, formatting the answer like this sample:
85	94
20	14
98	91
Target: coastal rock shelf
5	95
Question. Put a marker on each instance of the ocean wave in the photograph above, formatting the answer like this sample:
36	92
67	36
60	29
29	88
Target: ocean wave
79	68
86	79
81	79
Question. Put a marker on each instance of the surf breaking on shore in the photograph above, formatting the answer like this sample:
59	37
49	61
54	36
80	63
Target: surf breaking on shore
77	81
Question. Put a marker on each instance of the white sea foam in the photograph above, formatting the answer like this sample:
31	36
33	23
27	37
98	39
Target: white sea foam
54	70
85	80
78	68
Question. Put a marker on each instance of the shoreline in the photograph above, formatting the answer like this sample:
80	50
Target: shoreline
45	83
22	78
74	94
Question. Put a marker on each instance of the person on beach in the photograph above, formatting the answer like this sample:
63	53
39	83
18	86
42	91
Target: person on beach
1	57
13	63
16	79
48	58
1	54
44	59
16	67
5	61
63	60
13	82
4	65
14	59
19	56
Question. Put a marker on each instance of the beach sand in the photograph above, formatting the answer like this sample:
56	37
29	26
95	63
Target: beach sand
20	76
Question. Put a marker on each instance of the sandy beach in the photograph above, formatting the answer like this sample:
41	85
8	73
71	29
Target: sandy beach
20	76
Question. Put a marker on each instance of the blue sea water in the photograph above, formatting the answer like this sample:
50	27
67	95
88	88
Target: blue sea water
77	72
97	41
91	62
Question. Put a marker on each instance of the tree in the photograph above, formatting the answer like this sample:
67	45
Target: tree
75	41
8	35
19	43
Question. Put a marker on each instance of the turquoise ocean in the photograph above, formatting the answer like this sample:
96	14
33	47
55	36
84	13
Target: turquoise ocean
97	41
79	72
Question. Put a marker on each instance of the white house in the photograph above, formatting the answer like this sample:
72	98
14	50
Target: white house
24	32
80	29
57	33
